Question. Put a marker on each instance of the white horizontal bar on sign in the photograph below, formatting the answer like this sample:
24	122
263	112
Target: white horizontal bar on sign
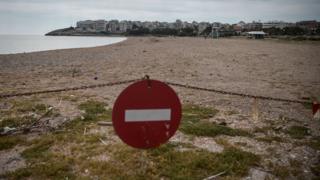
141	115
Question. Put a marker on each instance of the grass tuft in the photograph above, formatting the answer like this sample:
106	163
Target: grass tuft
8	142
39	148
23	113
298	132
211	130
25	106
314	143
17	121
54	167
95	111
194	122
168	163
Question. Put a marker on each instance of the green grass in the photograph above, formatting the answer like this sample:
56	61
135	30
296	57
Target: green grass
39	148
298	132
45	161
95	111
53	167
194	122
281	172
17	121
307	106
211	130
41	162
8	142
19	114
166	162
195	113
24	106
71	98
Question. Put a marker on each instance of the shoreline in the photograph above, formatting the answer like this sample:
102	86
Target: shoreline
58	41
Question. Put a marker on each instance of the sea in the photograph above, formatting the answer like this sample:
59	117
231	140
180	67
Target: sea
12	44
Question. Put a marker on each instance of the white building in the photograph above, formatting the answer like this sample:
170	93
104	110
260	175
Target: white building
101	25
256	34
92	26
87	25
276	24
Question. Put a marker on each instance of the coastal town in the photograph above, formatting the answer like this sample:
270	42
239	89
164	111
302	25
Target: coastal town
184	28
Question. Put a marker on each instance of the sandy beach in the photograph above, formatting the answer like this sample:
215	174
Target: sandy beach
271	68
274	68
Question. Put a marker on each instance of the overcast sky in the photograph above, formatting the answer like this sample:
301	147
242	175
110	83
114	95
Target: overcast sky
41	16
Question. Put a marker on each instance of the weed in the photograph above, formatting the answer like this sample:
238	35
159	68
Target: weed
232	112
17	121
211	130
298	132
314	143
23	113
195	113
280	171
25	106
264	129
71	98
194	123
55	167
166	162
8	142
95	111
39	148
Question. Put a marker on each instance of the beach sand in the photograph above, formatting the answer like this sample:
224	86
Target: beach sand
289	70
280	69
270	68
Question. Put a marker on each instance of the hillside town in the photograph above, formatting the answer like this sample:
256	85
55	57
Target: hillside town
184	28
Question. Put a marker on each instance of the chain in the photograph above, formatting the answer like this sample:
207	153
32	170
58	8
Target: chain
67	89
237	94
147	77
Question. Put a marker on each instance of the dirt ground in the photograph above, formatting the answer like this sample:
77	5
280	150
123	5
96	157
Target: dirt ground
281	69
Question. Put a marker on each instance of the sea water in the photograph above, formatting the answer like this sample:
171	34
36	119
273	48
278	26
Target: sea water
11	44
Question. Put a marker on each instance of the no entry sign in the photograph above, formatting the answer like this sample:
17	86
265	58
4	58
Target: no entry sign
146	114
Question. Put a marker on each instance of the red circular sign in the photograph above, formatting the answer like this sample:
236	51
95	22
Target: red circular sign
146	114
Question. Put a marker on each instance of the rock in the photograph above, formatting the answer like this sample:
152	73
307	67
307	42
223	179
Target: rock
258	174
53	122
7	130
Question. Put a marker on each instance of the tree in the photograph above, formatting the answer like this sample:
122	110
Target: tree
293	31
274	31
188	31
138	31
